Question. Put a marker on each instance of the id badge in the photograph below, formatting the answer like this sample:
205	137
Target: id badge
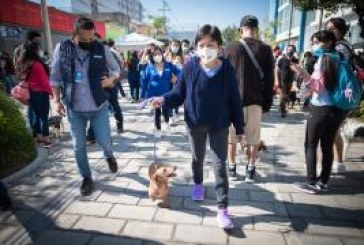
78	77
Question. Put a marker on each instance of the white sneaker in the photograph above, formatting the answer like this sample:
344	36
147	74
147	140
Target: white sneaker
338	168
168	127
158	134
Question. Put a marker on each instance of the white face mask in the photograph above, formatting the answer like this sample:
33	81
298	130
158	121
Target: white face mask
174	49
207	55
157	58
185	49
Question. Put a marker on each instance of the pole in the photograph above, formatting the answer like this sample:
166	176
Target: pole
164	10
46	27
321	16
290	23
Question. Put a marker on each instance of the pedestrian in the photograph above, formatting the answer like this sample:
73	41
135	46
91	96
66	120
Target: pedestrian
324	119
36	75
84	69
134	76
33	37
120	60
157	80
186	46
175	56
286	76
255	83
339	27
7	71
207	86
308	64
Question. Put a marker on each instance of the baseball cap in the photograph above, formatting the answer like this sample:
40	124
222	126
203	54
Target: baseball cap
250	21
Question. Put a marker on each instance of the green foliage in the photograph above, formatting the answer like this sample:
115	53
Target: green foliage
329	5
16	142
158	24
231	33
359	112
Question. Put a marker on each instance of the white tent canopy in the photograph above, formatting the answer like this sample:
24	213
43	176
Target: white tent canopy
135	41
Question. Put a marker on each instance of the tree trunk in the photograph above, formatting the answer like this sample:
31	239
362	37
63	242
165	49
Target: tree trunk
46	28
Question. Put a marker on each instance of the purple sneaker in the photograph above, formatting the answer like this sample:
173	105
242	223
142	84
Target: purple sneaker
198	193
223	219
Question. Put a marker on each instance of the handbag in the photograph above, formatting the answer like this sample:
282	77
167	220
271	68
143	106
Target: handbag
21	93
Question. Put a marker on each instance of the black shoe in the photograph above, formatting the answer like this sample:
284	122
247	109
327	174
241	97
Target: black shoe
91	141
283	114
87	186
113	165
232	172
120	130
250	174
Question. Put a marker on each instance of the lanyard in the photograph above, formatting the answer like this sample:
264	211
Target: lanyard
82	61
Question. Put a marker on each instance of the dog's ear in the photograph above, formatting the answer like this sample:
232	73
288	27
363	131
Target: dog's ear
152	169
154	177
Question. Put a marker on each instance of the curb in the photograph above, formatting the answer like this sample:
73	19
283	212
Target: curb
42	156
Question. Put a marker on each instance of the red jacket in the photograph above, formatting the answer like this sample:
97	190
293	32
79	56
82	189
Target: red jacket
38	79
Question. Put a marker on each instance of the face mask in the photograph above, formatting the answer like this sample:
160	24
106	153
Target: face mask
185	49
317	50
207	55
85	45
290	54
174	49
157	58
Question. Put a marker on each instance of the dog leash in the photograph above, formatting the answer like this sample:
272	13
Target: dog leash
141	106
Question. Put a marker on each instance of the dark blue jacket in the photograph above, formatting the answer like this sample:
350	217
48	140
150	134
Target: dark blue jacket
213	102
97	69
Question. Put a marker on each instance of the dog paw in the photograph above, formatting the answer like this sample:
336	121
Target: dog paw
163	205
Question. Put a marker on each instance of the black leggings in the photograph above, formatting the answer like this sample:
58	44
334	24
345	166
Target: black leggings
322	124
157	116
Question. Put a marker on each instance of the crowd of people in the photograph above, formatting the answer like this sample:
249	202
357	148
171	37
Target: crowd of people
225	90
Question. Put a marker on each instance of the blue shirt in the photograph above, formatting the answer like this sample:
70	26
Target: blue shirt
157	83
209	101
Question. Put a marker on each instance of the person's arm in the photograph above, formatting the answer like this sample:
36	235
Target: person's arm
235	103
56	81
145	83
177	96
268	81
114	69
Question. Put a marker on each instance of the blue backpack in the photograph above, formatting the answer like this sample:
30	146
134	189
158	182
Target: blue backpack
348	90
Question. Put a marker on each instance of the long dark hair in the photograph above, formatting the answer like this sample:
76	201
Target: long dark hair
328	66
152	54
31	55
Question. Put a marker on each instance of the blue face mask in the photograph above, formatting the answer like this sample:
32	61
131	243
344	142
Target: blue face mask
318	51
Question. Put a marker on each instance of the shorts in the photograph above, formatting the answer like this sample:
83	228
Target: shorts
252	121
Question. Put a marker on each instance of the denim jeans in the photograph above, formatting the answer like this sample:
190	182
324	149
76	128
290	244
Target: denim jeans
118	114
39	105
9	81
30	115
322	124
218	143
78	123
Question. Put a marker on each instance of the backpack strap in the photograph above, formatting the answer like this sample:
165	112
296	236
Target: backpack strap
253	58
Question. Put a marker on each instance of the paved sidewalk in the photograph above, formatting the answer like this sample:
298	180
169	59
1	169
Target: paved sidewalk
49	208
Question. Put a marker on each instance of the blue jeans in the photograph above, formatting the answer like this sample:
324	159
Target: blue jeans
39	107
9	81
101	126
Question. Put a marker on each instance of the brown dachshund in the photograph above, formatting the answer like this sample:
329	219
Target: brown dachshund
158	185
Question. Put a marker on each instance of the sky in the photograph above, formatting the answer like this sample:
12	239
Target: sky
189	14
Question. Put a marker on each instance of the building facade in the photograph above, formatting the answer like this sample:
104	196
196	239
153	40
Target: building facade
296	27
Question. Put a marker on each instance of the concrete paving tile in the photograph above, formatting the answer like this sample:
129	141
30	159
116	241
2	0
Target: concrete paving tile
103	225
56	237
255	237
89	208
147	230
331	227
199	234
305	239
178	216
110	240
132	212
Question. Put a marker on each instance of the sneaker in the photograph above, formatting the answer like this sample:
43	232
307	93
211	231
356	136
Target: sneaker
113	165
120	130
308	188
198	193
87	186
91	141
158	134
223	219
338	168
321	186
249	174
232	172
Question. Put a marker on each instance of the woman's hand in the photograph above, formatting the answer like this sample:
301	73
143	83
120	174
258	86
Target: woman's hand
157	102
294	67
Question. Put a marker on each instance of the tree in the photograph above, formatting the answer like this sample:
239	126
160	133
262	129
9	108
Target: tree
158	24
333	6
231	33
